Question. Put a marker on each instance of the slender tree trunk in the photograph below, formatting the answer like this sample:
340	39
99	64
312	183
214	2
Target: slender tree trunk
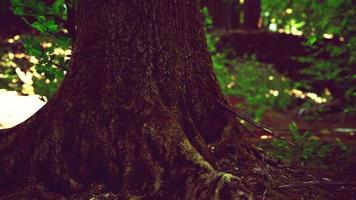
225	13
252	13
235	14
134	115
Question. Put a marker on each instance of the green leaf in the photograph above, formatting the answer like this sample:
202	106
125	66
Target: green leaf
39	7
307	135
293	128
41	19
333	3
38	26
16	2
17	7
279	143
58	6
51	25
342	146
297	137
18	10
35	52
311	40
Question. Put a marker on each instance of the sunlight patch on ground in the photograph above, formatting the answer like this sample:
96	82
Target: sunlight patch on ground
15	109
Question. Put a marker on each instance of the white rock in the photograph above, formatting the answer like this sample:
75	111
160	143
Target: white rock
15	109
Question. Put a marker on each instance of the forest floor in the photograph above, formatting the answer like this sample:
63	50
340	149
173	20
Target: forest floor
340	171
326	127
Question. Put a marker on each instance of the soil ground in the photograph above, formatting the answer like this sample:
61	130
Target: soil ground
15	109
327	127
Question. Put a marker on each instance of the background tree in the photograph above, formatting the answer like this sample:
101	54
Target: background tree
252	13
234	14
225	13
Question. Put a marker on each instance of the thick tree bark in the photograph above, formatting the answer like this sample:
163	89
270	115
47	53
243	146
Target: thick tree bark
134	115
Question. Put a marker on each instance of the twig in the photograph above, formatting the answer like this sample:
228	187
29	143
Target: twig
264	194
248	131
47	34
57	65
314	183
252	122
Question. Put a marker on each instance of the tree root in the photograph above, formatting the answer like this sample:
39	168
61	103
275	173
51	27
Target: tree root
216	185
163	158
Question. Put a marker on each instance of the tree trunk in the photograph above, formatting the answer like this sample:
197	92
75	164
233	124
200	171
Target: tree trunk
225	13
252	13
134	115
235	14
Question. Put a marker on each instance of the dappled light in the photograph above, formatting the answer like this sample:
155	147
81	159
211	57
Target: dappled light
35	74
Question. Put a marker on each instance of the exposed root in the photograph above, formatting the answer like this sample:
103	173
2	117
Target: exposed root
216	185
164	158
